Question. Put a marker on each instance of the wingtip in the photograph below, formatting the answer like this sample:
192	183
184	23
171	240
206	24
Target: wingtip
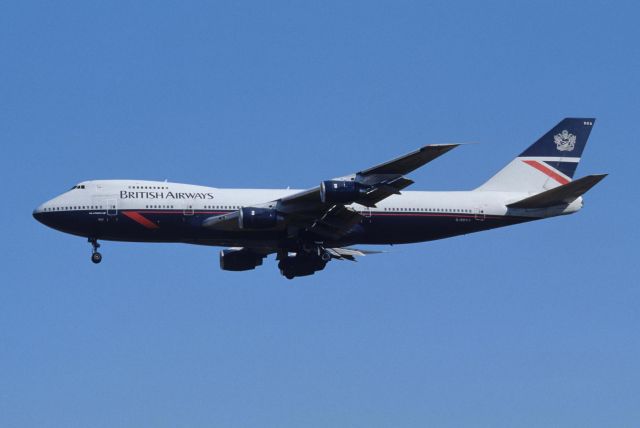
599	176
452	145
444	146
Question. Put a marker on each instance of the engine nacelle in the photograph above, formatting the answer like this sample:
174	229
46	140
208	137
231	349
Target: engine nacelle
301	265
341	192
238	260
258	218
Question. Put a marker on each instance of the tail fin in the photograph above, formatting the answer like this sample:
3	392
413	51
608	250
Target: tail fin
548	163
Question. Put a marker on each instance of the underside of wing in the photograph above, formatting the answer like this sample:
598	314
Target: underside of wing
405	164
227	222
329	211
349	253
336	222
366	187
309	226
384	190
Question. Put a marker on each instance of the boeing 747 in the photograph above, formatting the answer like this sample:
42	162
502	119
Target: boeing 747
308	228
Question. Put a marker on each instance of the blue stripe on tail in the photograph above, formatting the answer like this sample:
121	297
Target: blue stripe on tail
567	168
567	139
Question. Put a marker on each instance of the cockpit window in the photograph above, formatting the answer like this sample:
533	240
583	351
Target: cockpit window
79	186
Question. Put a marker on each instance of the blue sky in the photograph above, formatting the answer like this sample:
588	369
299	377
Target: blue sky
529	326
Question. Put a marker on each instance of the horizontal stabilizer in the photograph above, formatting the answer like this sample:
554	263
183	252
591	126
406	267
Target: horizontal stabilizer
561	195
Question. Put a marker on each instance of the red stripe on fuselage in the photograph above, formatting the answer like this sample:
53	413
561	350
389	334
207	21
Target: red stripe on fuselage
547	171
139	218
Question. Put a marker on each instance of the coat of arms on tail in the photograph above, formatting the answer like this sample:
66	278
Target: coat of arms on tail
565	141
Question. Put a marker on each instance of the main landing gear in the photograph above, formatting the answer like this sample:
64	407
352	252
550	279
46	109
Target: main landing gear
96	257
307	260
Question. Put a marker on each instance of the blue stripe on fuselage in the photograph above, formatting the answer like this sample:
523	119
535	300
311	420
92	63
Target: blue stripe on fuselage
174	226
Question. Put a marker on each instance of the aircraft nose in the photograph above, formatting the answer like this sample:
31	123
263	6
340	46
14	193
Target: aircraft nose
38	214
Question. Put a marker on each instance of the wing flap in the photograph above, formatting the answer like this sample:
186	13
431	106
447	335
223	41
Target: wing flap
336	222
349	253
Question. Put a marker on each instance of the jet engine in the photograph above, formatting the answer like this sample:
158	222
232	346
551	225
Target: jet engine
341	192
302	264
258	218
239	259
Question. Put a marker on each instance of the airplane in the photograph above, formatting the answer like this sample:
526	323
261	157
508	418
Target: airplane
308	228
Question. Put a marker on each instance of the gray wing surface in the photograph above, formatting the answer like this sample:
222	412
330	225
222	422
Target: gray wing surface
306	209
385	179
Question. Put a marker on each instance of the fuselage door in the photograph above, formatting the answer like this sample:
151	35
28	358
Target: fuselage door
479	213
105	206
188	208
112	207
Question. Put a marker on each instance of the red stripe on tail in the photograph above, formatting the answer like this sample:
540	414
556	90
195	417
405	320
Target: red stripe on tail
547	171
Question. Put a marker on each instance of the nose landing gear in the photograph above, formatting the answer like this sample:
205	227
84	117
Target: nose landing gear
96	257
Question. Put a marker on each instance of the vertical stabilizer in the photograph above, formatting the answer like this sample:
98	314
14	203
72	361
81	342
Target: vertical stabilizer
549	162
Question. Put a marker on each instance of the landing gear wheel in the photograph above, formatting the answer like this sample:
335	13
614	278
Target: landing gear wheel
287	274
96	257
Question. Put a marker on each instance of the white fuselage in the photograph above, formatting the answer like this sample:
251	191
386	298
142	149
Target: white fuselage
118	208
